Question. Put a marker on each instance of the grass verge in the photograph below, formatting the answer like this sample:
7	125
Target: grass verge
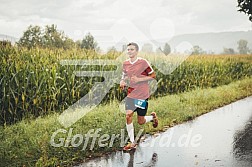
29	141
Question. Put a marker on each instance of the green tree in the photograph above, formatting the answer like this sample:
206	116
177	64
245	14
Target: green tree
245	6
124	47
159	50
32	37
69	43
196	50
242	46
53	37
89	43
78	43
229	51
166	50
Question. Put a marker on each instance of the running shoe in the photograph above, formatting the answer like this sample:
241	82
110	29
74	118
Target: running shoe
155	119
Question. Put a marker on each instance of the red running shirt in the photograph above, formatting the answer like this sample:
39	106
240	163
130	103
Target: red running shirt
140	68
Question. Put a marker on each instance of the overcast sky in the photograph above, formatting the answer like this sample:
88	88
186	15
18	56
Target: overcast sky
111	21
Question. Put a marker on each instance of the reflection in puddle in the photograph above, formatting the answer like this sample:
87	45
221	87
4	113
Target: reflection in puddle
120	159
152	162
220	138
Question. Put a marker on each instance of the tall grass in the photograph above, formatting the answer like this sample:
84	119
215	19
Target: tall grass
33	82
27	143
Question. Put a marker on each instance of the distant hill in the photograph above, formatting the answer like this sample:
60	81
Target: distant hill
214	42
8	38
209	42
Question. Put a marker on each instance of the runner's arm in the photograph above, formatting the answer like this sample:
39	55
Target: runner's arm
144	78
123	80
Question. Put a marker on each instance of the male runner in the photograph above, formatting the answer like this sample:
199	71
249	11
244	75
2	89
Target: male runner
137	71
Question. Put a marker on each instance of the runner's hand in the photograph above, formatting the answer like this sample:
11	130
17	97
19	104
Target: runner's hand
122	84
135	79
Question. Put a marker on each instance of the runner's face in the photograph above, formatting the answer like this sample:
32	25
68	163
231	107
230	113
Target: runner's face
131	51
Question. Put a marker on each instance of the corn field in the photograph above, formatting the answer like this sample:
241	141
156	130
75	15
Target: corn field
33	83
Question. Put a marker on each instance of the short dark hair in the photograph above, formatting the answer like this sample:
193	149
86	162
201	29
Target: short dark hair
134	44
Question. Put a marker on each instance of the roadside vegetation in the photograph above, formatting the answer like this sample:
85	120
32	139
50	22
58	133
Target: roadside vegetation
36	89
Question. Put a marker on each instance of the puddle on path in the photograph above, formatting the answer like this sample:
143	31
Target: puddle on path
222	137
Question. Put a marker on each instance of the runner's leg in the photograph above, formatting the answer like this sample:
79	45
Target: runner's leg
129	125
142	118
141	115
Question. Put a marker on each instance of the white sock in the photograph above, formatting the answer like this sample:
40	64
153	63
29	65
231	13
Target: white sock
130	130
148	118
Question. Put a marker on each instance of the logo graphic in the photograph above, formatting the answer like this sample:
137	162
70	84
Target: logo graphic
165	64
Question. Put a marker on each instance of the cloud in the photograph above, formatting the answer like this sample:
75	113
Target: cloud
185	16
209	15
